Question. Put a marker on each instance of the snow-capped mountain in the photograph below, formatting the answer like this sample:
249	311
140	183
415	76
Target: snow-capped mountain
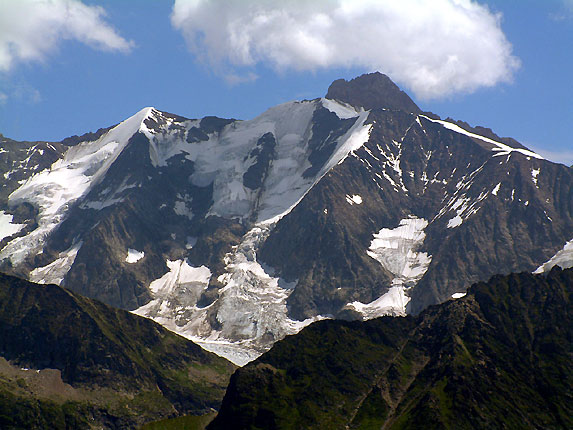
237	233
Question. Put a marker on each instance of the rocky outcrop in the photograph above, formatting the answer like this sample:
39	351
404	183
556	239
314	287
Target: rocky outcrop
371	91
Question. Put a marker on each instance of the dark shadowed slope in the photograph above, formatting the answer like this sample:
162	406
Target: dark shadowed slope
90	363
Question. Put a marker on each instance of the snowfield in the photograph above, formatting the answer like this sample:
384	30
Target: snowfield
397	250
7	228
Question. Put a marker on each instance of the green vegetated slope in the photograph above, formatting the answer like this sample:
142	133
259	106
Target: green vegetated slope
188	422
71	362
501	357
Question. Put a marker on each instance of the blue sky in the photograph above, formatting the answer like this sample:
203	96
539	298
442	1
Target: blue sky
512	68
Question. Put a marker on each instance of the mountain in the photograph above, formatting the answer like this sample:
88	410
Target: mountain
71	362
238	233
500	357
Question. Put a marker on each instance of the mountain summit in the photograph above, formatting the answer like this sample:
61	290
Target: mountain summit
371	91
238	233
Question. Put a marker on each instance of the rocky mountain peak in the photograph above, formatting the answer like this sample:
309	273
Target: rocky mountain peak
238	233
371	91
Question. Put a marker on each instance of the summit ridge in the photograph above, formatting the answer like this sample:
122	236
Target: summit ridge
371	91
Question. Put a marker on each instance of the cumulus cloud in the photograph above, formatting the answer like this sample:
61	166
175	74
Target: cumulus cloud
434	47
31	29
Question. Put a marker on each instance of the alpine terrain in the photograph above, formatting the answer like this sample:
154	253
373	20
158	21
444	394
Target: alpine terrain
500	357
69	362
237	233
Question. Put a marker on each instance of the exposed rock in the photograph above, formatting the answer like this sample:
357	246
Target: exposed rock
371	91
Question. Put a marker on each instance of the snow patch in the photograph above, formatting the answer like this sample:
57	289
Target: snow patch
180	272
98	206
191	242
458	295
181	286
7	229
463	205
563	259
499	148
534	174
133	256
393	302
180	208
397	251
109	197
355	199
55	272
342	110
496	189
455	222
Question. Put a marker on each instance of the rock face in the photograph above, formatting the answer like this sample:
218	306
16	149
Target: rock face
76	362
351	206
500	357
372	91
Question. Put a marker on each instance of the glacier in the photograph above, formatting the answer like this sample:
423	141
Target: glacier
250	309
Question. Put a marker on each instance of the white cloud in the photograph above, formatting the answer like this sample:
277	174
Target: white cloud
31	29
3	98
434	47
